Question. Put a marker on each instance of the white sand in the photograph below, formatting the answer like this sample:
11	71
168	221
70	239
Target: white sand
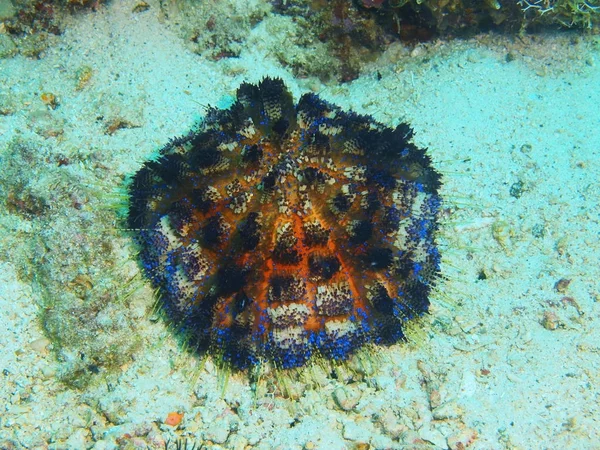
486	371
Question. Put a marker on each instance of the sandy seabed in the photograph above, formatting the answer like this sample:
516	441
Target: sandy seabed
509	357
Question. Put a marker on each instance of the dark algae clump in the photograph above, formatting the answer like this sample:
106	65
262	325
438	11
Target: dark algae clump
278	231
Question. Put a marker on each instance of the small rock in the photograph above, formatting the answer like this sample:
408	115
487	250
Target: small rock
237	442
562	285
381	441
253	437
78	439
409	437
100	445
419	50
362	446
118	123
40	345
384	383
218	432
449	410
357	432
32	45
562	245
390	424
8	48
462	439
432	435
140	7
473	57
435	397
346	397
48	372
550	321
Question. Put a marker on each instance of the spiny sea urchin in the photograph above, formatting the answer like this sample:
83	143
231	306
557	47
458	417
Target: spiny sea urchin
275	232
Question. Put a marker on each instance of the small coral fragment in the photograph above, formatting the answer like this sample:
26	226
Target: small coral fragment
117	123
562	285
462	439
83	77
278	231
174	418
49	99
550	320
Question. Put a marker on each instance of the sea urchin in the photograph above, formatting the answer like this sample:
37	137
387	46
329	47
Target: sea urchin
277	231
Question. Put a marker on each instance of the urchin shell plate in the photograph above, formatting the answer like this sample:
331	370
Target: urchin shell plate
277	231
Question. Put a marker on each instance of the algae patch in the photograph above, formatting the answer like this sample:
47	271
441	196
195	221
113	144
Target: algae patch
74	255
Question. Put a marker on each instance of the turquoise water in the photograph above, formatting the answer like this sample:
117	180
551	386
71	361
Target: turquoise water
506	359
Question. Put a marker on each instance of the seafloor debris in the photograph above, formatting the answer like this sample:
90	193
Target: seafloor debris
277	232
357	31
